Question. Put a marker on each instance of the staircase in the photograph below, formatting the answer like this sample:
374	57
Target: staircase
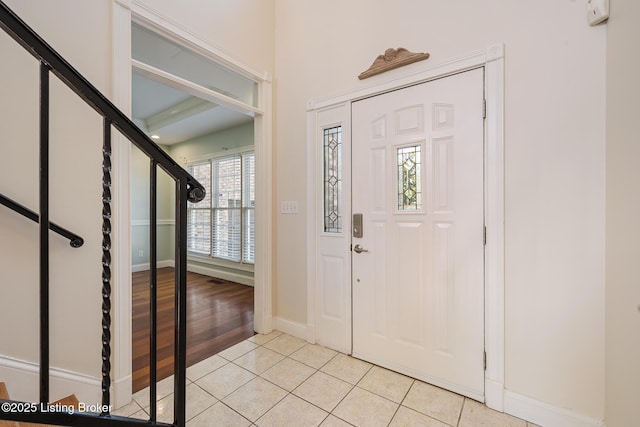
67	402
187	189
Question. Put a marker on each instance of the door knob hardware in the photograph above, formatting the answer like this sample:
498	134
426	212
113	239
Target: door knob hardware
358	249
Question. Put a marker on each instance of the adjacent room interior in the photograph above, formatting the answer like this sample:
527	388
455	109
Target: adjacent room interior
216	145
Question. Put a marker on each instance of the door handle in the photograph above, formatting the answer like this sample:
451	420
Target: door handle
358	249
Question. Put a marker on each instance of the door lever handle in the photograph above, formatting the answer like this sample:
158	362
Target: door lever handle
358	249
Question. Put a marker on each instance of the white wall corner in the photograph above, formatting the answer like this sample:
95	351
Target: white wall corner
121	252
544	414
311	223
298	330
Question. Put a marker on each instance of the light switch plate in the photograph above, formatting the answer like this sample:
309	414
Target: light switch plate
597	11
290	207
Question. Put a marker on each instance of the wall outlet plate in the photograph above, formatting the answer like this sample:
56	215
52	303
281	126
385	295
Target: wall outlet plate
597	11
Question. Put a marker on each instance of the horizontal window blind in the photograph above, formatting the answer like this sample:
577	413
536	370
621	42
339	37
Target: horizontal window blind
223	224
249	202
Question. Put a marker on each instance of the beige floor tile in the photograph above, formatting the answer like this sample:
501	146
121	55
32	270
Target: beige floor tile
333	421
219	415
262	339
140	415
163	389
363	408
259	360
292	412
532	425
238	350
198	401
475	414
255	398
406	417
288	374
127	410
323	390
386	383
285	344
346	368
224	381
200	369
315	356
434	402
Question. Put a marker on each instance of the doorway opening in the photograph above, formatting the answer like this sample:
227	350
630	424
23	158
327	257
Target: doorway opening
203	115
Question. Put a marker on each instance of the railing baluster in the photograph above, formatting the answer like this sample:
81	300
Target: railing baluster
44	233
106	265
180	355
153	289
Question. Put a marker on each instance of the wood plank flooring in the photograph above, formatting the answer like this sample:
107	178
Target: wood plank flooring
219	315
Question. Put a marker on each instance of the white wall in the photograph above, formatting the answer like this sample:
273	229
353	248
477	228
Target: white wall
76	140
243	28
554	137
623	211
140	229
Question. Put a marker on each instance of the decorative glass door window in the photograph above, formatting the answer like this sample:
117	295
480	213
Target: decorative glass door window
409	178
332	144
223	225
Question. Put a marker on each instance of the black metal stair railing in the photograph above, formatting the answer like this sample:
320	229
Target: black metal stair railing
186	189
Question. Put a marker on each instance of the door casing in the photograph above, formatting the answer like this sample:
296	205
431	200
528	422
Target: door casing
492	59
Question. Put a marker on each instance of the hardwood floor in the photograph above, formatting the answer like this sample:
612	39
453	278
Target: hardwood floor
219	315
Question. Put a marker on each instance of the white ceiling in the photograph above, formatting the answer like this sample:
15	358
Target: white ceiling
172	114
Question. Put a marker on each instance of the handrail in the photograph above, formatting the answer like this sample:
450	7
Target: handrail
32	42
74	240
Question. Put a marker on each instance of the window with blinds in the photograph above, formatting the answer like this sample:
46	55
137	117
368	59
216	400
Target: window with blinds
223	224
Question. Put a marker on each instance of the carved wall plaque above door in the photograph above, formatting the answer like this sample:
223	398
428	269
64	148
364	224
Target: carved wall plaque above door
392	58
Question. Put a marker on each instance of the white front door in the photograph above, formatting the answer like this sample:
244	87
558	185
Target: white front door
417	180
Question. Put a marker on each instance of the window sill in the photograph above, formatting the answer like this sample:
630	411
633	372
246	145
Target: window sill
220	262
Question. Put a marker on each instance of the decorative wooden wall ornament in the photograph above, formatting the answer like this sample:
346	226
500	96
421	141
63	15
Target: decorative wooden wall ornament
392	58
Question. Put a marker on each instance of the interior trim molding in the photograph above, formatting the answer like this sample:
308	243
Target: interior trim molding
146	222
121	160
22	378
145	266
296	329
544	414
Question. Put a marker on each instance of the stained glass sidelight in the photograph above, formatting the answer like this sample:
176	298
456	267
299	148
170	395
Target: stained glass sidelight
409	178
332	179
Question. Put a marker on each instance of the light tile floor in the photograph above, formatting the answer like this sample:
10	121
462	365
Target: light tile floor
279	380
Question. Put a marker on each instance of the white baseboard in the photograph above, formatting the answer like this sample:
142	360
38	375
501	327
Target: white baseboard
122	392
207	271
544	414
225	275
147	266
22	380
494	395
296	329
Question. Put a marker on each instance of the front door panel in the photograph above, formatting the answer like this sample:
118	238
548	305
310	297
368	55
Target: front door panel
417	176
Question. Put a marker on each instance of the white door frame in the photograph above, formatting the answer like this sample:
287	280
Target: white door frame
123	12
492	59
